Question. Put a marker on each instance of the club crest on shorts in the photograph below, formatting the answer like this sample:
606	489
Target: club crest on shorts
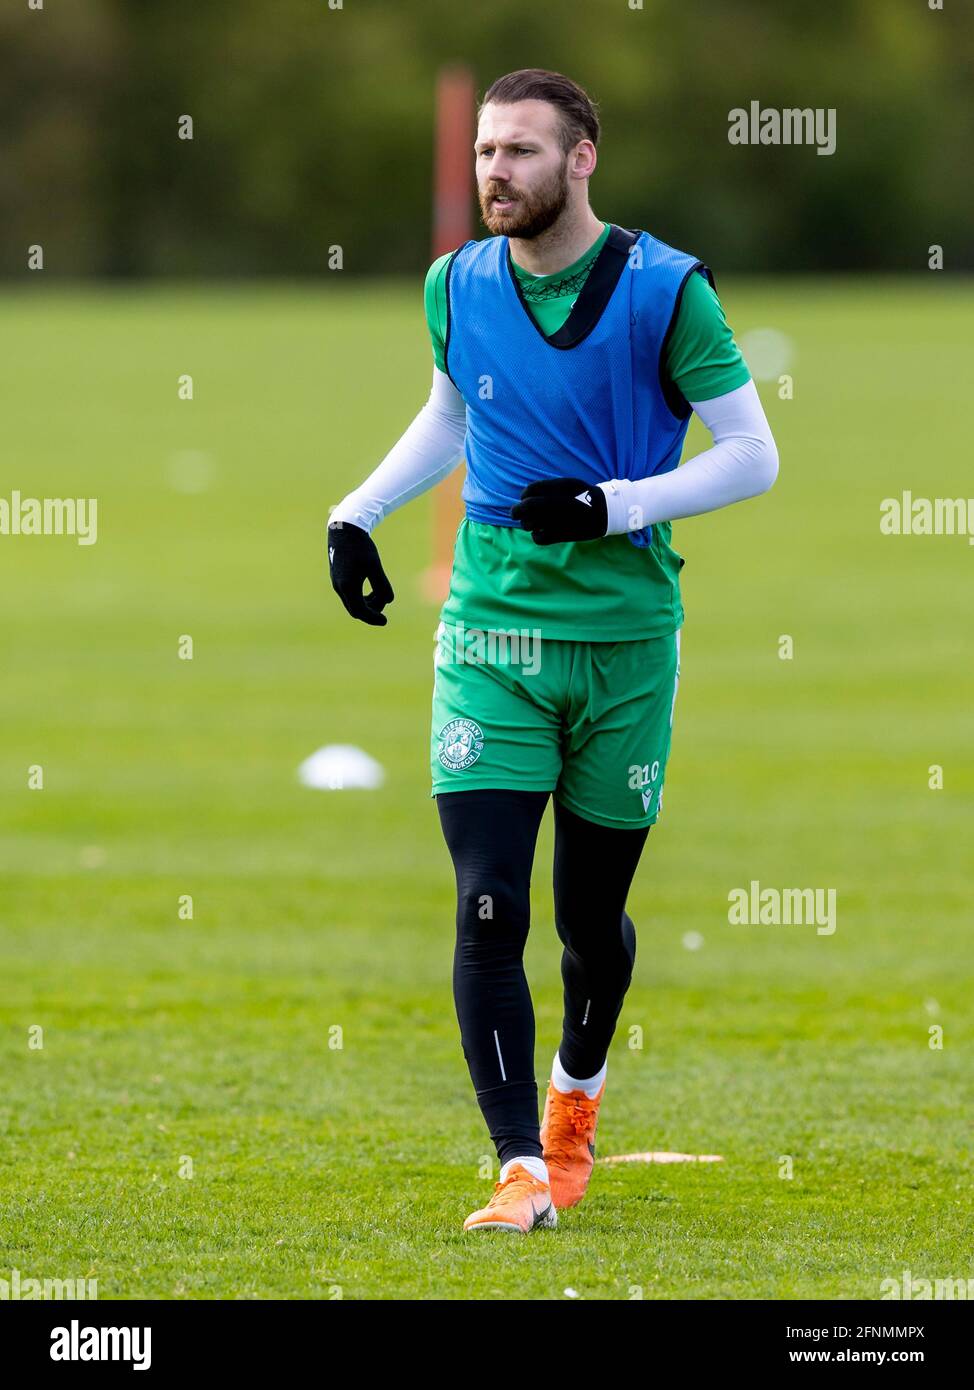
461	744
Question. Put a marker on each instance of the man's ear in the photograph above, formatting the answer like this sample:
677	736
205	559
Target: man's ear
584	159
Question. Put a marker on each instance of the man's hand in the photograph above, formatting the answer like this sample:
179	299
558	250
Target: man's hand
353	559
562	509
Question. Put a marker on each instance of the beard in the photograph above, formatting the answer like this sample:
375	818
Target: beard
530	213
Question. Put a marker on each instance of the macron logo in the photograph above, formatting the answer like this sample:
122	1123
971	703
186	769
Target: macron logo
647	799
585	497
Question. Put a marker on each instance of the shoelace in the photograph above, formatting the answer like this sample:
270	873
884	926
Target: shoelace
501	1197
571	1122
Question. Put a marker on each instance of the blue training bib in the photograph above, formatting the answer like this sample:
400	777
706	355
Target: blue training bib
589	402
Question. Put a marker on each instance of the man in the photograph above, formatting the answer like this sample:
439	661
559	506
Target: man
568	356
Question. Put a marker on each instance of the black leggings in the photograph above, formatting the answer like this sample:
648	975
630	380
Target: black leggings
491	836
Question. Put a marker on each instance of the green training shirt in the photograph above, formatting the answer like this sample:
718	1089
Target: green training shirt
598	591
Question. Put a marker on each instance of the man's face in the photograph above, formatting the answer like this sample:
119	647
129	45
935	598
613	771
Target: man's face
522	170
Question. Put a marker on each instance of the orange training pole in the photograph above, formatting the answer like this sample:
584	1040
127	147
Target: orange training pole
452	225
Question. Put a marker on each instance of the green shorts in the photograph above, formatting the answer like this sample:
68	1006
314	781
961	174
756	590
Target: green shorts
589	721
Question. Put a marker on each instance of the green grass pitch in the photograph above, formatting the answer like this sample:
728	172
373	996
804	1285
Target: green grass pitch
323	1171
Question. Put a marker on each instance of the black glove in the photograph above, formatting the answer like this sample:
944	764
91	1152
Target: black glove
353	559
562	509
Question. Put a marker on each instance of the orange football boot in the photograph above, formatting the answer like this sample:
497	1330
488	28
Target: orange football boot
568	1140
520	1203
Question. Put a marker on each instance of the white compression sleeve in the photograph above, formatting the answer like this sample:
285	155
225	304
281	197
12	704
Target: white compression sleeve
431	448
742	463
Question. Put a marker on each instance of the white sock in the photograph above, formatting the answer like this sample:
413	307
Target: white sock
535	1166
563	1082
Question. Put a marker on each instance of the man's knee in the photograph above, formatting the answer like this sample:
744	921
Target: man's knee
491	909
594	937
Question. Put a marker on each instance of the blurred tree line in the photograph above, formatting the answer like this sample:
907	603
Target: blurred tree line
313	127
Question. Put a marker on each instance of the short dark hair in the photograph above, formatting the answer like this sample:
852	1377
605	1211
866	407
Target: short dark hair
579	115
